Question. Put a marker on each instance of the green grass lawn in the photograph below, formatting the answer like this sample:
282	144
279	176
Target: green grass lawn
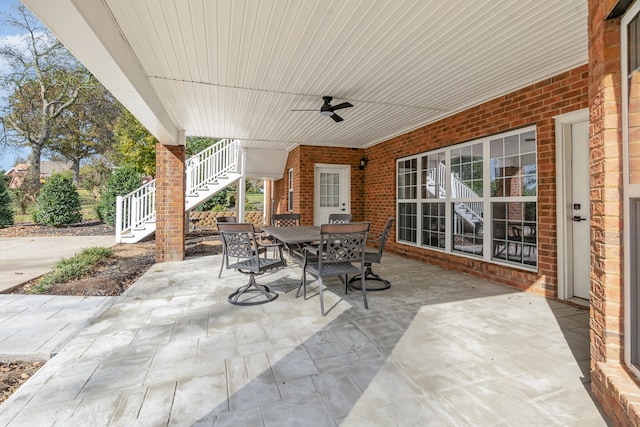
255	197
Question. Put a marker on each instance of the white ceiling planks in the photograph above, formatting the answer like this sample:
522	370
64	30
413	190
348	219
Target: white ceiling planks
236	68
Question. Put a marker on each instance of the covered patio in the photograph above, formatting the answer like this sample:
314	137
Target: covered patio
497	93
447	350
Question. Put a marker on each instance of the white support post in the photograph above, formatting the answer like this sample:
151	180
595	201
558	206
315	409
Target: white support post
242	186
119	219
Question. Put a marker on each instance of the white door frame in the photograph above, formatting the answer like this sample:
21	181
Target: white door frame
316	193
563	124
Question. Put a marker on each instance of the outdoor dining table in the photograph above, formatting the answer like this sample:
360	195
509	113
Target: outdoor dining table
296	235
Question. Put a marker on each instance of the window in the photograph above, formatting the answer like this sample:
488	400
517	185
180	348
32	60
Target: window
290	193
477	199
407	191
630	66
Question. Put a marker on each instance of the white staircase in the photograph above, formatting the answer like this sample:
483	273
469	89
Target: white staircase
470	212
207	172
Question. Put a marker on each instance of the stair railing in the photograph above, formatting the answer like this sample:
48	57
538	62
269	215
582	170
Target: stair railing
211	163
459	190
137	208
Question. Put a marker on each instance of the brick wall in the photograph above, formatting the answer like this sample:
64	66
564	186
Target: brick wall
614	386
533	105
170	215
302	159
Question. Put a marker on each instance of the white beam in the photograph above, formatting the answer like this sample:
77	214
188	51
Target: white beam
87	29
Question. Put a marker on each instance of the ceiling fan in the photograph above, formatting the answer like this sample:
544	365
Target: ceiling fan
328	110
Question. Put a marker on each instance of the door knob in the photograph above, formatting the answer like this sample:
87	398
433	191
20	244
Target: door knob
578	218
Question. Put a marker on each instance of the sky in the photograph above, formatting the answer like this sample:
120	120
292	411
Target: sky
8	34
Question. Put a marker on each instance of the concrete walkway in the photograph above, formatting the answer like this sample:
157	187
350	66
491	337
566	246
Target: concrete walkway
35	327
25	258
437	349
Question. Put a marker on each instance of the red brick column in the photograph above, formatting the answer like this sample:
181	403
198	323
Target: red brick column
170	216
613	385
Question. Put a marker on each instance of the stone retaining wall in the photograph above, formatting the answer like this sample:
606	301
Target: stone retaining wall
207	220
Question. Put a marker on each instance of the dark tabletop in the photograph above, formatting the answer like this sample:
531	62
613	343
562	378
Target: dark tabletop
292	235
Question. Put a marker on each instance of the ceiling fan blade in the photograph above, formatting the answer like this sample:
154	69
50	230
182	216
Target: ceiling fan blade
342	105
304	110
336	118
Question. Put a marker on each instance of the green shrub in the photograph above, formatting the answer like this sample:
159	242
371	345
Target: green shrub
6	212
121	182
72	268
58	202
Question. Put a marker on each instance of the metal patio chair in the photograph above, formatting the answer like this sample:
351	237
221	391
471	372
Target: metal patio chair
338	218
340	252
374	255
232	220
285	220
239	241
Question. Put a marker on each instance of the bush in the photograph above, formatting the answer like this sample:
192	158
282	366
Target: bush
58	202
72	268
6	213
121	182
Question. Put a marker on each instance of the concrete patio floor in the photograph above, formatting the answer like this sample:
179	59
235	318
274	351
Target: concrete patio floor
439	348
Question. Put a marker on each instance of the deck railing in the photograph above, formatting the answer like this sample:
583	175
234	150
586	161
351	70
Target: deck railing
138	208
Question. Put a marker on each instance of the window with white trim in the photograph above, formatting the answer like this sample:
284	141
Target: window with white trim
630	66
290	191
477	199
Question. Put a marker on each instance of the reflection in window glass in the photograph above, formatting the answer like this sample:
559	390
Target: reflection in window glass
433	225
513	166
466	230
466	171
457	183
407	222
408	179
434	176
515	232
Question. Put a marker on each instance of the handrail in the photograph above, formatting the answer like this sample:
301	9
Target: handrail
206	166
137	208
459	190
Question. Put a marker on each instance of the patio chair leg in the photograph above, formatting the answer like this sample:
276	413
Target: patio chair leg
252	288
363	284
303	285
321	300
221	267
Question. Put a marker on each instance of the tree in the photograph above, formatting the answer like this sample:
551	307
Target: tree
121	182
135	146
85	128
94	176
58	202
6	213
195	144
45	79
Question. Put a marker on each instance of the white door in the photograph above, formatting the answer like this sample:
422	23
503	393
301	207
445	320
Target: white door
580	224
332	189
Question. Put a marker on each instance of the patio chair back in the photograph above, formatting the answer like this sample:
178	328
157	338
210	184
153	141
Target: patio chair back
340	252
239	242
337	218
373	255
225	219
285	220
382	241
